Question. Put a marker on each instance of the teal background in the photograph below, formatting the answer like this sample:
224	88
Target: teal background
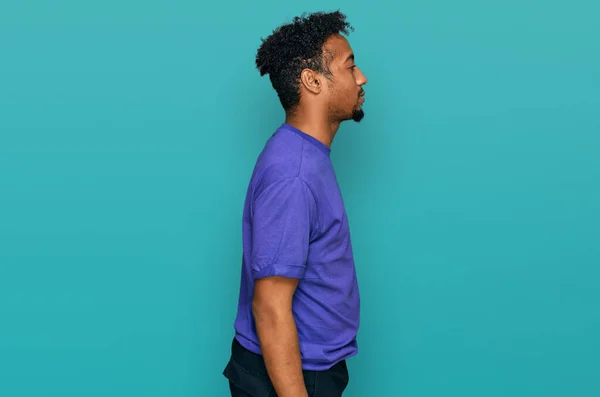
128	132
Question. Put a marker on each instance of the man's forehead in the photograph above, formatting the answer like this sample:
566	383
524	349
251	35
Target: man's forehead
339	47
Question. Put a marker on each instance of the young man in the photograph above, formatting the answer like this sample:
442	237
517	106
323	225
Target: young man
298	312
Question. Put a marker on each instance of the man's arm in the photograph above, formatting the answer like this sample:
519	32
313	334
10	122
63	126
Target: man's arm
283	219
276	329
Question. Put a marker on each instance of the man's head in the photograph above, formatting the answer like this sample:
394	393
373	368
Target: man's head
311	65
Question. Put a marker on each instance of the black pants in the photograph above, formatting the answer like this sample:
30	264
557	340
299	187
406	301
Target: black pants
248	376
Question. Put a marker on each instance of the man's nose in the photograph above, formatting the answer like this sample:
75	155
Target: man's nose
362	80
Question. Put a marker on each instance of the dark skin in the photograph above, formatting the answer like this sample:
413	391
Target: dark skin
326	101
276	329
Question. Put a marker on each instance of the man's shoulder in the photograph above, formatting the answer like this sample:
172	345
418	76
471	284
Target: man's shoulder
288	158
282	147
280	158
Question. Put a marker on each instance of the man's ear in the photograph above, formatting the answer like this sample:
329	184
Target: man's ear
311	81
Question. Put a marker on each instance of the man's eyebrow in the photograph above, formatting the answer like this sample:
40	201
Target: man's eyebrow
349	58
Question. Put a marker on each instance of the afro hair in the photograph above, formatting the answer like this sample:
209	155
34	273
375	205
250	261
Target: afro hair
295	46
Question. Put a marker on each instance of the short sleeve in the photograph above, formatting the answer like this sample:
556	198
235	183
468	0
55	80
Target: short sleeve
282	220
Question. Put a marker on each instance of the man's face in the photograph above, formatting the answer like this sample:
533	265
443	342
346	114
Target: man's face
345	83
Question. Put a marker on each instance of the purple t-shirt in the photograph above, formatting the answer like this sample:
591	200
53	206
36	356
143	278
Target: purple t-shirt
295	225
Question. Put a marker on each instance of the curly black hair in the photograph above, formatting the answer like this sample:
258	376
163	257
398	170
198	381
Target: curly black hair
295	46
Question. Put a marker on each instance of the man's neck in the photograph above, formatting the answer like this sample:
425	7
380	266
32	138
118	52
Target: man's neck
322	130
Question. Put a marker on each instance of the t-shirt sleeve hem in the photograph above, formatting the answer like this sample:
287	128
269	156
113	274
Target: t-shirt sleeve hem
290	271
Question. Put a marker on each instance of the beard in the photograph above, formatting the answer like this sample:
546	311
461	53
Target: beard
357	115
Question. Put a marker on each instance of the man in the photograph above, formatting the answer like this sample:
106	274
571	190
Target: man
298	312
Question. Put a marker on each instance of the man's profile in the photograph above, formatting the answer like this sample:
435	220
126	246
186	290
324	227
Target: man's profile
298	309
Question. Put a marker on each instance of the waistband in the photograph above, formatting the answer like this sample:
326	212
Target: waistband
256	362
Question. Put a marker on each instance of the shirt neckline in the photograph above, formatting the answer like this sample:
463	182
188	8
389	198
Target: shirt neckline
320	145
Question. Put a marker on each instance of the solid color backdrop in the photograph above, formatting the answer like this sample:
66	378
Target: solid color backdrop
128	132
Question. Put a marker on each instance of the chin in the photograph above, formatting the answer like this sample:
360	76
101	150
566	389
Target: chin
358	115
